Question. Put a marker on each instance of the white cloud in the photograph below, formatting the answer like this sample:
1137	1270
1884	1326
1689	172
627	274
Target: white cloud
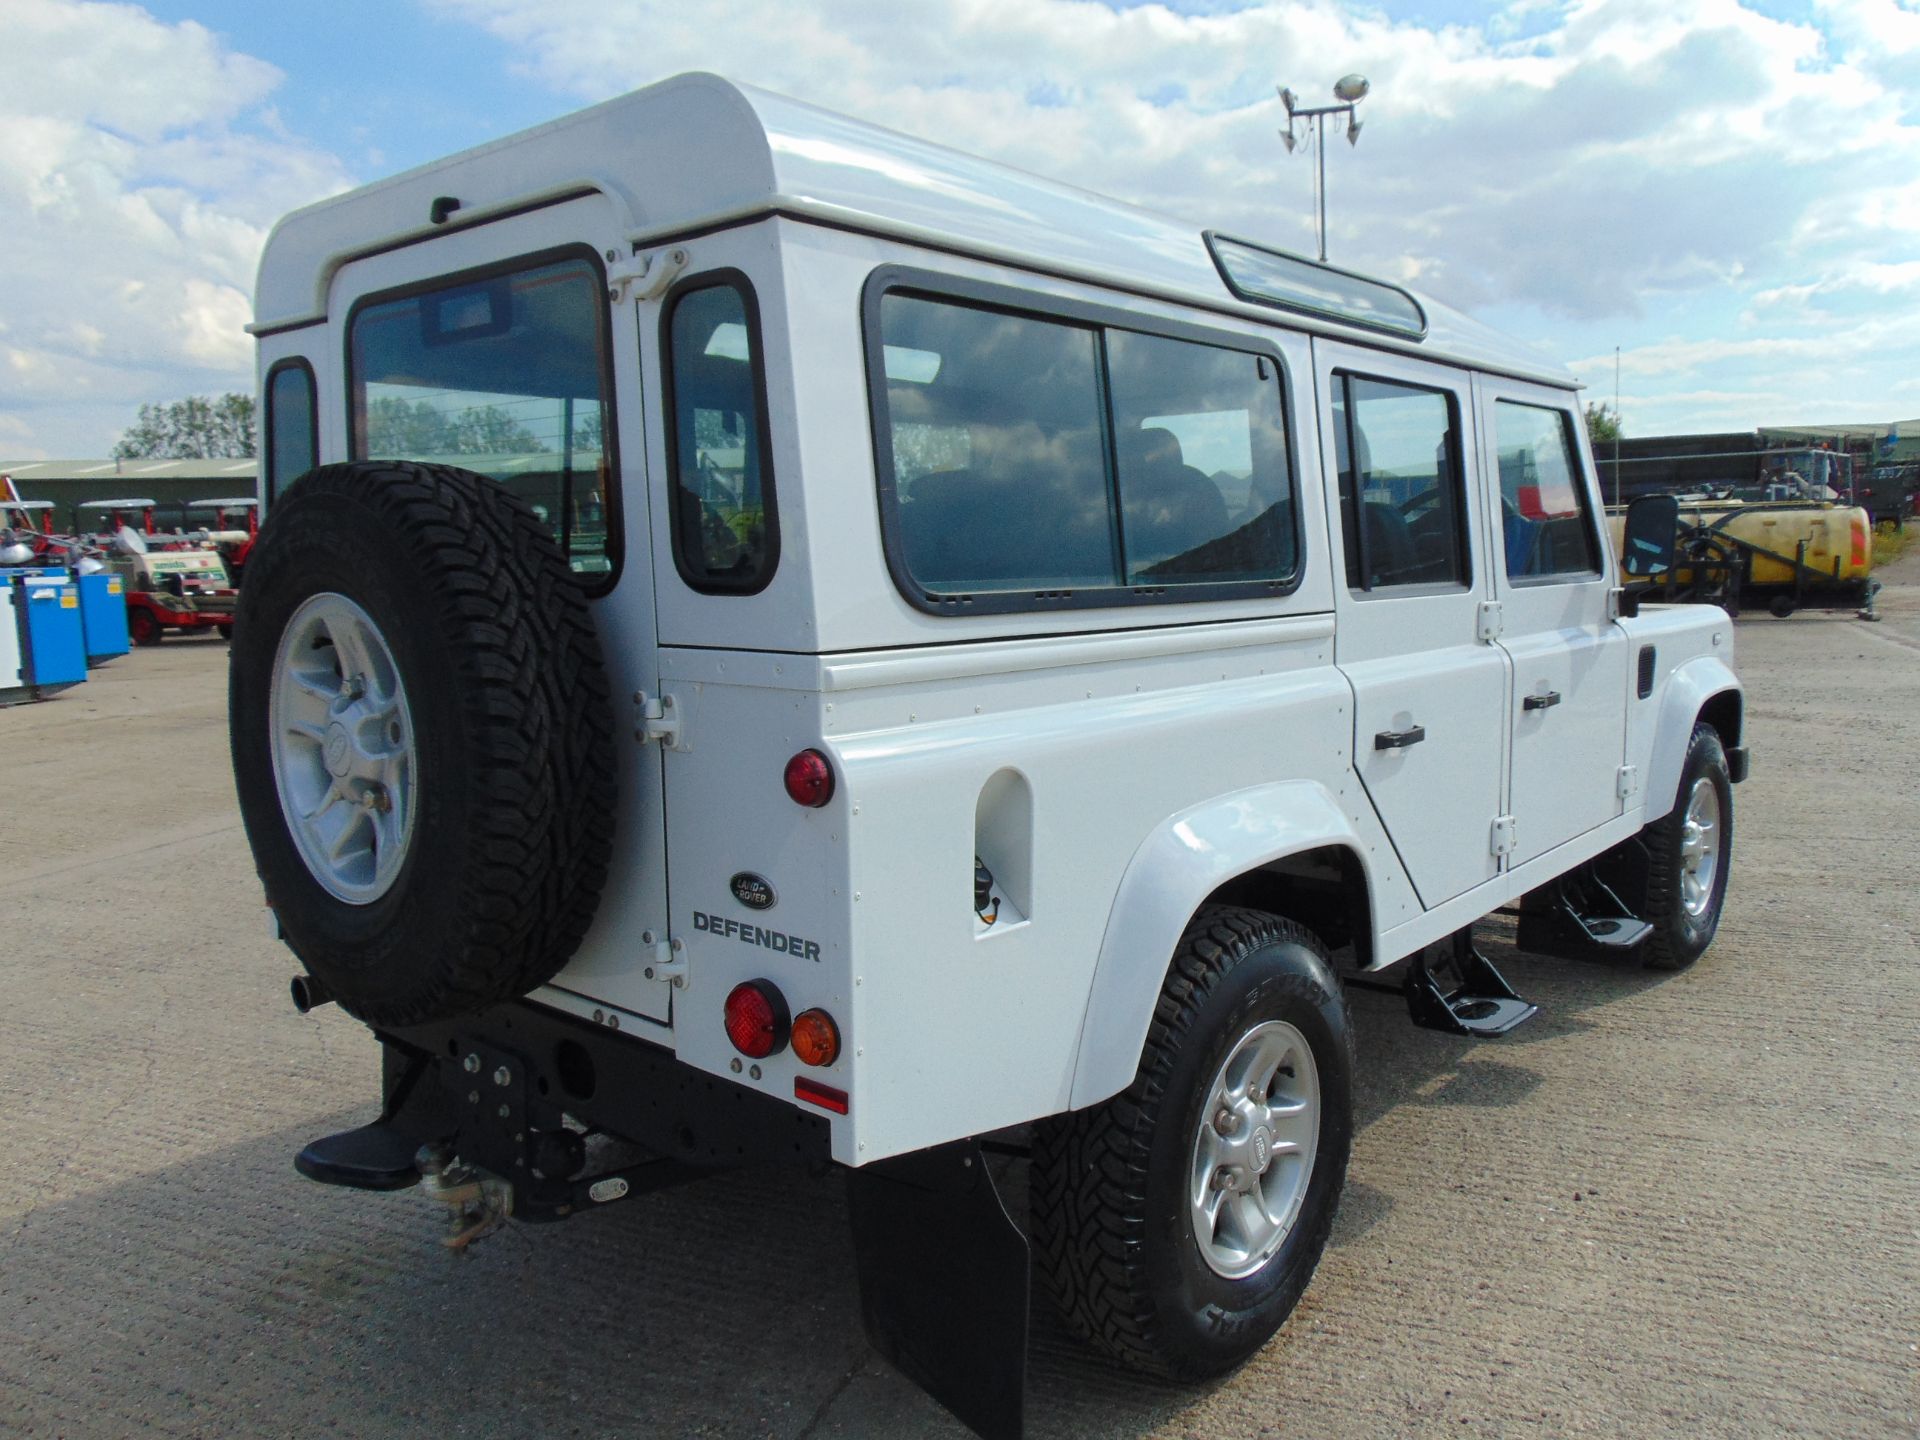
135	192
1569	164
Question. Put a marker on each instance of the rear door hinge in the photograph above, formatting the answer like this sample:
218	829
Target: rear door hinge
658	718
666	959
1492	621
1626	781
1503	841
649	275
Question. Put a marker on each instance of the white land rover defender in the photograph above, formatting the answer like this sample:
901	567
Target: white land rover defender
773	641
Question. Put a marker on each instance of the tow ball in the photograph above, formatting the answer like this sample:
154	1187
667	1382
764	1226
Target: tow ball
477	1203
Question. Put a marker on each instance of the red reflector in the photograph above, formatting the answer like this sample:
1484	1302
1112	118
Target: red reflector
825	1096
809	779
756	1018
1860	550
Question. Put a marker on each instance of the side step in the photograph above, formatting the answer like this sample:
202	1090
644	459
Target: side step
1583	916
1479	1002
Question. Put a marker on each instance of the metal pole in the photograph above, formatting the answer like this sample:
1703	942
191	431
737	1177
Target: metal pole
1616	425
1320	139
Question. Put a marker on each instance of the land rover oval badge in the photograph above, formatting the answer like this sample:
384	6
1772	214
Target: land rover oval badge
753	891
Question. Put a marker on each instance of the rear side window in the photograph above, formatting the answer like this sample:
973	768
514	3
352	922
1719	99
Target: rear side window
293	433
505	372
1546	526
1402	495
726	530
1033	460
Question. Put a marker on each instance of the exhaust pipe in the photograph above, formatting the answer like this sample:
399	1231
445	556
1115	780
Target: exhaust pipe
309	994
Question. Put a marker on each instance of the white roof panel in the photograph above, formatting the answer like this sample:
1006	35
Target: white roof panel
697	150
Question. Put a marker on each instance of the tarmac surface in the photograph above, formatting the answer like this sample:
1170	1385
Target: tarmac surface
1670	1205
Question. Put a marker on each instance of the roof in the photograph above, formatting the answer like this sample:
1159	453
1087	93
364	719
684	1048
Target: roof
697	150
219	468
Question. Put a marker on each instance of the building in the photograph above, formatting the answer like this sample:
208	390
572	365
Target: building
171	484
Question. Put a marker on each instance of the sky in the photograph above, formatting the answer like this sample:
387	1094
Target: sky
1727	192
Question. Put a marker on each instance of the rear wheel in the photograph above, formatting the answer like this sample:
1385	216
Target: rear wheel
1178	1223
1692	855
142	628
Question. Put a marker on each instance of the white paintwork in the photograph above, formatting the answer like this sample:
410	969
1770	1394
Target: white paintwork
1414	658
694	151
1151	752
1560	640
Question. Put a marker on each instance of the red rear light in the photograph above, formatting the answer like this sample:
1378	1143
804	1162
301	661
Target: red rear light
809	779
756	1017
825	1096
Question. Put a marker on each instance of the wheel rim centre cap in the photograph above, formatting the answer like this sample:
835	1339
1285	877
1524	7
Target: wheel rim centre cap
339	749
1262	1146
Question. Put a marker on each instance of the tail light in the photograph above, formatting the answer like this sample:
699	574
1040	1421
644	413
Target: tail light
816	1039
756	1019
809	779
1860	542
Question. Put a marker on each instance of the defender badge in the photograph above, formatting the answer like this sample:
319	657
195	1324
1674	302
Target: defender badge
753	891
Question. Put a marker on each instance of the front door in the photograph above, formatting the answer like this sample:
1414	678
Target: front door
1430	695
1568	712
495	348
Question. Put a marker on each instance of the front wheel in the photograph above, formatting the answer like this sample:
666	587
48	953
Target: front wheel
1692	853
1178	1223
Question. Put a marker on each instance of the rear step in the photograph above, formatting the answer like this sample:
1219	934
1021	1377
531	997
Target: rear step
374	1157
1479	1002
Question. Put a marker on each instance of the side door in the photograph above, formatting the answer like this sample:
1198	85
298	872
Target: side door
1409	540
1552	576
495	348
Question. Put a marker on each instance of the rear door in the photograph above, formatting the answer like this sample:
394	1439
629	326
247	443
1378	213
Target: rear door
1568	714
1430	694
495	348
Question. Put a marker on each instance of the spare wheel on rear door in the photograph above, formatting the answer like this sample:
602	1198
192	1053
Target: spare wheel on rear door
422	739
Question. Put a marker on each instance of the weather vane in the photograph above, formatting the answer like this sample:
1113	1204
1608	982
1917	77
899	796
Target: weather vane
1350	91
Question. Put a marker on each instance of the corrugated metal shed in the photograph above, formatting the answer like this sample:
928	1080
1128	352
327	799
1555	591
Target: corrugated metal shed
171	483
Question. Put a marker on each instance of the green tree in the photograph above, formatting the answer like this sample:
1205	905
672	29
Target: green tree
1603	423
397	427
201	427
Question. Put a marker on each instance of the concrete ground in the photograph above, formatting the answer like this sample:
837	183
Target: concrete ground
1671	1205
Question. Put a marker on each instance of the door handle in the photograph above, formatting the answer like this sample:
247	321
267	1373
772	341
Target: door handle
1399	739
1546	700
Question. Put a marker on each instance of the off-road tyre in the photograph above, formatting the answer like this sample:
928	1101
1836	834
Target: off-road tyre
1680	938
1113	1239
516	777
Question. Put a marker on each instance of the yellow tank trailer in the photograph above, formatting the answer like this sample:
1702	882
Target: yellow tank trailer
1791	552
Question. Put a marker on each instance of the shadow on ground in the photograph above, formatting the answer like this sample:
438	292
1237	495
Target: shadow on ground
727	1307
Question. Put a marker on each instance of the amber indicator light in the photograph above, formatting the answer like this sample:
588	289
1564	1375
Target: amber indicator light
816	1039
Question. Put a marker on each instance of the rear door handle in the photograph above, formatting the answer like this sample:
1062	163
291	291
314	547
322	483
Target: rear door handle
1546	700
1399	739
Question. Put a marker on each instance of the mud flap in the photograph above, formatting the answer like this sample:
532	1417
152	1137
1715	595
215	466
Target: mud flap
944	1276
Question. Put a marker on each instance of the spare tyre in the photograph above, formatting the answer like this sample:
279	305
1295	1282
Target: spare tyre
422	739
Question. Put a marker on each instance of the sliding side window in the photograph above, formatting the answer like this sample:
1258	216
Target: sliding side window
1034	460
507	373
1546	524
1402	498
